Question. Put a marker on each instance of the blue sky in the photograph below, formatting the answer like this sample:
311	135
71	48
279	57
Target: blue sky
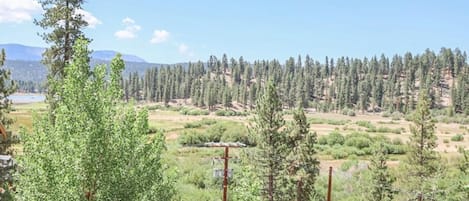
179	31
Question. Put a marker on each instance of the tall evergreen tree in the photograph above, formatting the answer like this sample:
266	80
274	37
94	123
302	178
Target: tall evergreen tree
302	167
381	178
7	87
268	124
422	160
65	23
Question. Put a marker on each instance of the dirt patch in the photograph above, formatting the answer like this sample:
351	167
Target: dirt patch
172	136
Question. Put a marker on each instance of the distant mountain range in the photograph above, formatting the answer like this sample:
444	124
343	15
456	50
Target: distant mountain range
25	62
29	53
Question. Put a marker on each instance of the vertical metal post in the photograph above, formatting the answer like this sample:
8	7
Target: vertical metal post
329	187
225	176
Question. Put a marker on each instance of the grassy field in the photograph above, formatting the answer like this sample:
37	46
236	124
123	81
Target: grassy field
193	166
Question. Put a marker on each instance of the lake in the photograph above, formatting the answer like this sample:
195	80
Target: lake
27	98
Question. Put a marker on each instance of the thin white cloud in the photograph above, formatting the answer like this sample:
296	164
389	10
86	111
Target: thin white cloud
130	30
88	17
159	36
128	21
185	50
18	11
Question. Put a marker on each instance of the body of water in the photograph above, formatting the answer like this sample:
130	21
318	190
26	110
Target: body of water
27	98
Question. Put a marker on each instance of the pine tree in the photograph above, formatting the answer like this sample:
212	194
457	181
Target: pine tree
381	179
302	165
61	17
7	87
422	160
226	97
268	124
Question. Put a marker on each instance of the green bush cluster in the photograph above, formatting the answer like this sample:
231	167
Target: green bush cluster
206	121
163	107
229	113
348	112
218	132
154	107
193	112
152	129
457	138
459	119
382	129
356	144
386	114
192	137
396	116
373	129
358	140
348	164
366	124
192	125
335	138
328	121
198	124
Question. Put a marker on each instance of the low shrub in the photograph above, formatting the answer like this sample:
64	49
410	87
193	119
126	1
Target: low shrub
348	164
154	107
382	129
335	138
217	132
152	130
192	125
348	112
328	121
206	121
457	138
322	140
359	142
191	137
230	113
366	124
197	178
194	112
386	114
446	141
396	116
396	149
458	118
397	141
339	154
351	113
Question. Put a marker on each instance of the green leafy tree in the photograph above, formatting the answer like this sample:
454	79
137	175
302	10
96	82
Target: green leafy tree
381	178
63	20
245	188
422	161
97	148
268	124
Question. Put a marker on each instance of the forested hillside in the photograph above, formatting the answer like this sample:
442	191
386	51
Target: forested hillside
36	72
369	84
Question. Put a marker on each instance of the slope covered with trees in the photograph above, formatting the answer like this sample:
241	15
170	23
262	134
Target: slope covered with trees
368	84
